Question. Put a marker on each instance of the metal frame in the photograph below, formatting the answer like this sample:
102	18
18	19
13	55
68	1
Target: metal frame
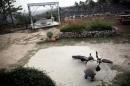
43	4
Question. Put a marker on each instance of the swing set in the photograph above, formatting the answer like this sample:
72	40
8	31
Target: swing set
44	22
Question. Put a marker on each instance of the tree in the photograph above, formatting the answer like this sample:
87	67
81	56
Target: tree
125	2
91	3
115	1
87	2
76	4
81	3
102	1
7	8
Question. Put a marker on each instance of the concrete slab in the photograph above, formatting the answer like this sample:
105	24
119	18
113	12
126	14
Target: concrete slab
65	71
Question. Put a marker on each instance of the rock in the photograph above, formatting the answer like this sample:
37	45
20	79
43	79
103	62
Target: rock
57	37
52	39
86	34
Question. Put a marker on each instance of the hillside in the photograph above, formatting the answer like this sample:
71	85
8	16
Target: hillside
104	8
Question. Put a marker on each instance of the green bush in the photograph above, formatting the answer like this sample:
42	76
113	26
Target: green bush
122	79
22	19
95	25
49	34
73	28
24	77
98	25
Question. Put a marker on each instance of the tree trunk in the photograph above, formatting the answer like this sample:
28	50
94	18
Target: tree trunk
11	16
4	18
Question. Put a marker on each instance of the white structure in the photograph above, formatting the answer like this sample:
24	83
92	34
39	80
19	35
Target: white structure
44	22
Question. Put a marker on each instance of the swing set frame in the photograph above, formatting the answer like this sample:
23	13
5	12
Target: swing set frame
51	4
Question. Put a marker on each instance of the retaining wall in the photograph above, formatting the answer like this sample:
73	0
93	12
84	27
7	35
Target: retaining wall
85	34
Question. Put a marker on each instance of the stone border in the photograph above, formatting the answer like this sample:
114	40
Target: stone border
86	34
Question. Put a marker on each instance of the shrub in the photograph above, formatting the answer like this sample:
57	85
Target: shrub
49	34
24	77
122	79
22	19
98	25
73	28
94	25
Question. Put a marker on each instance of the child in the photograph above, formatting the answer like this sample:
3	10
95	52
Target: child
90	71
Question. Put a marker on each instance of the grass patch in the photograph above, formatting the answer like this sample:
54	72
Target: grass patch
98	25
73	27
74	41
24	77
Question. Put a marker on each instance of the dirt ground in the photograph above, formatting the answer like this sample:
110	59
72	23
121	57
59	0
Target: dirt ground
16	49
15	46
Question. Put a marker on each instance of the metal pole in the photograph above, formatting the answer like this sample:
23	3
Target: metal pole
52	18
58	12
51	10
32	24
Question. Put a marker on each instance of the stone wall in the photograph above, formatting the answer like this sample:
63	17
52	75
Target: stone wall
86	34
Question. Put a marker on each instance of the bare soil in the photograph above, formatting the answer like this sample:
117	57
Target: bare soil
15	46
16	49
